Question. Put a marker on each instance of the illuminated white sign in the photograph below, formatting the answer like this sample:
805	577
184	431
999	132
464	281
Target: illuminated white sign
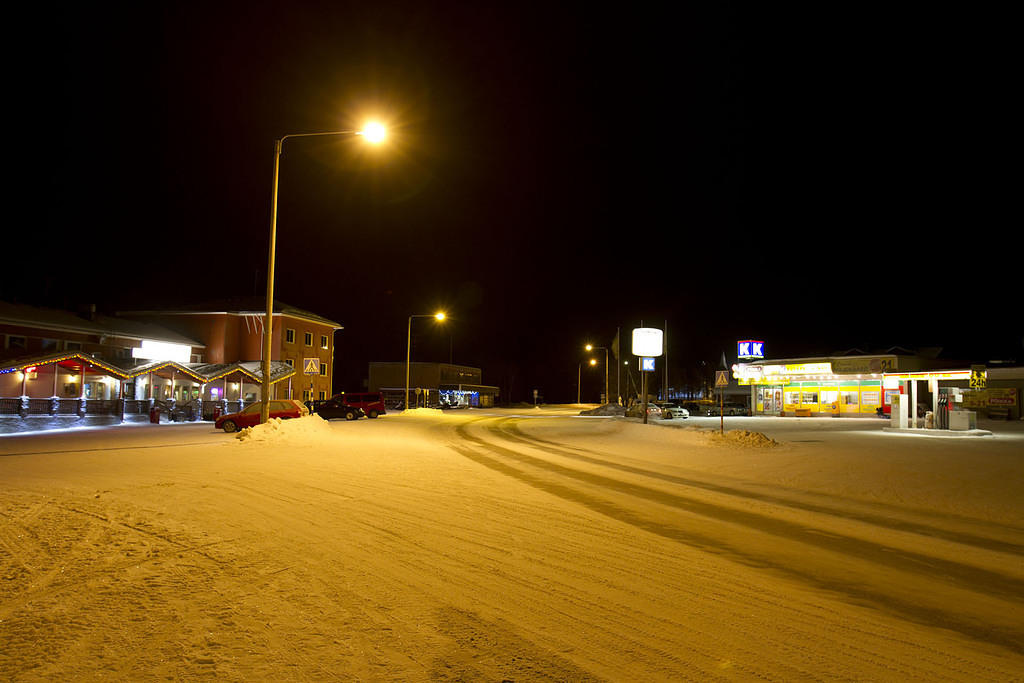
154	350
647	365
749	349
647	341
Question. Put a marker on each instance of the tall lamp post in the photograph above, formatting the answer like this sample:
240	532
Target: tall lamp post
373	133
440	317
591	347
579	378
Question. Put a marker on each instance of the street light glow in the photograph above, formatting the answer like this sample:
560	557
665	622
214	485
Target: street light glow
589	347
374	132
440	316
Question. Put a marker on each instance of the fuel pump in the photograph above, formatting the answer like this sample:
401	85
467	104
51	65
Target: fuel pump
942	419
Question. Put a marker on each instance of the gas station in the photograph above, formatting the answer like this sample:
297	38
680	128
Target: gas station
913	391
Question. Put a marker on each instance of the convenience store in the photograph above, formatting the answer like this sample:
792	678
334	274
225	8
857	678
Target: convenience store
840	386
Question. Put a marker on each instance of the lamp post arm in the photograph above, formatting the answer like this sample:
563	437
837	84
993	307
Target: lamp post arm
311	135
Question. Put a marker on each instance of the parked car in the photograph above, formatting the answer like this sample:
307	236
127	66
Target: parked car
728	408
637	410
335	407
283	408
671	410
371	403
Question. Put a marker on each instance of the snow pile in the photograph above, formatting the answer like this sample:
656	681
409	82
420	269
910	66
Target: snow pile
606	409
423	412
295	429
742	437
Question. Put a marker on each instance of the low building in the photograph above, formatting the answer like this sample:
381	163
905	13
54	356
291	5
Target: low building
232	330
432	384
195	361
863	385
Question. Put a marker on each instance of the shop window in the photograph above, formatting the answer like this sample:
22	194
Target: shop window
870	398
809	397
289	336
829	396
850	398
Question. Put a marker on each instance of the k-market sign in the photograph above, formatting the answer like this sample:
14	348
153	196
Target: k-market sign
750	349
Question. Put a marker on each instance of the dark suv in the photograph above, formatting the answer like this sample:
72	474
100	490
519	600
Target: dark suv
371	403
335	407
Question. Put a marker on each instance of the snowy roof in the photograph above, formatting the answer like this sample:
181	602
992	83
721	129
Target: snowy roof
246	305
99	324
201	372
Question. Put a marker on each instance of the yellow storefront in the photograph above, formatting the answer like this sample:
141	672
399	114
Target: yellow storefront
837	387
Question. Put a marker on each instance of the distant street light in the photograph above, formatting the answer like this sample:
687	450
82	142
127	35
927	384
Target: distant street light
439	317
579	378
373	133
591	347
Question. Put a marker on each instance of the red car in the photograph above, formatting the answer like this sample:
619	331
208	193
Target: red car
282	408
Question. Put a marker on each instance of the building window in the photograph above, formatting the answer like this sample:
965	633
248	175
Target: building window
323	395
289	336
308	338
323	341
49	345
15	342
306	394
72	346
289	362
323	368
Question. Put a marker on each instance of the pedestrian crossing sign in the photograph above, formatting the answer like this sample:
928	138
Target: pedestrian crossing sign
311	366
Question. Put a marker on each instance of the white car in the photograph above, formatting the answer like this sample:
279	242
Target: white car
671	410
637	410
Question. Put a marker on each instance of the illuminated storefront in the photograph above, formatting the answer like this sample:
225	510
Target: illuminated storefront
842	386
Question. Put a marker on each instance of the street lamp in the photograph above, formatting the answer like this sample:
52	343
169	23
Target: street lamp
591	347
374	133
579	378
439	317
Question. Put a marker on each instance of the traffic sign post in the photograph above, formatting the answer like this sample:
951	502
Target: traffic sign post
721	382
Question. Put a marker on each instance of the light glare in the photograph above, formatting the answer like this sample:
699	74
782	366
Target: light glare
374	132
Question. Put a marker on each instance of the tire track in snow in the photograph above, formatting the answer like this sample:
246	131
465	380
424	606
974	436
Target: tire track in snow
967	577
510	431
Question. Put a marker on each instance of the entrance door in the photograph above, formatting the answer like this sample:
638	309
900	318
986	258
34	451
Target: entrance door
771	398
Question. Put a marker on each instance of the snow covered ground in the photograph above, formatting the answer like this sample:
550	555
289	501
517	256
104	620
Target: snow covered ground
512	545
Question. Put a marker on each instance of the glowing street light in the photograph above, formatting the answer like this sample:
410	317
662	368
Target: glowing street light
591	347
439	317
374	133
579	378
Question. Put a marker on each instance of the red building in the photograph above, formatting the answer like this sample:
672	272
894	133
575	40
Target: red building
191	361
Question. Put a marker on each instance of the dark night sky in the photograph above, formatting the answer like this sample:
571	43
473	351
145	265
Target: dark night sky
555	172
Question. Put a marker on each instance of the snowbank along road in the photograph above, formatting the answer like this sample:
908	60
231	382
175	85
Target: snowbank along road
502	547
